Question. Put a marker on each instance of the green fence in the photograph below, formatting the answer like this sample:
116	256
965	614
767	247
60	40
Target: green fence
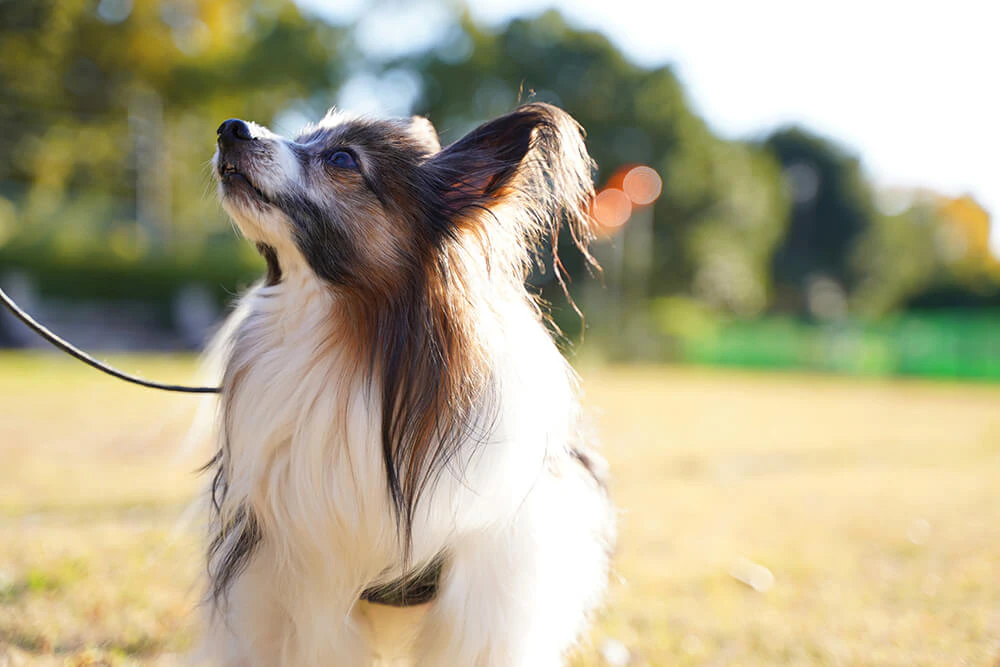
953	345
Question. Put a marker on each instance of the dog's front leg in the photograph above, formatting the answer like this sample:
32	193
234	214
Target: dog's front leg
486	613
519	595
267	621
513	597
247	627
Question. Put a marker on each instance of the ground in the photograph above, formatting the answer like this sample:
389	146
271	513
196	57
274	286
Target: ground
766	519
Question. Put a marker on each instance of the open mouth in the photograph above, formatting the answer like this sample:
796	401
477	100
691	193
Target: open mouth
229	174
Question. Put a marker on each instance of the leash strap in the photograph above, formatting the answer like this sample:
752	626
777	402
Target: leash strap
79	354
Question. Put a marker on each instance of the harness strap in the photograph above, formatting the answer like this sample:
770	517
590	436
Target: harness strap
410	590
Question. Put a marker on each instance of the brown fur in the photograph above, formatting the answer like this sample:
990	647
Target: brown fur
402	242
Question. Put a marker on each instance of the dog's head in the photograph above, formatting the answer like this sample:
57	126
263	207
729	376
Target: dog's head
367	204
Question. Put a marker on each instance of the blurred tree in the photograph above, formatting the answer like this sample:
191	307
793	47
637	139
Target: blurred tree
109	108
967	228
722	208
933	252
898	256
106	102
832	208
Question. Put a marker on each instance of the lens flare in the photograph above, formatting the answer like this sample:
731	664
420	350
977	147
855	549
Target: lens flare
642	185
612	208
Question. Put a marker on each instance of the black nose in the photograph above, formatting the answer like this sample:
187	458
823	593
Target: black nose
233	131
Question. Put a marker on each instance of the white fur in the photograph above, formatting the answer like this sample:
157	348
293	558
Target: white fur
524	526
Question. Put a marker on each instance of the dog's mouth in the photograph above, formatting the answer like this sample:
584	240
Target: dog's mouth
231	176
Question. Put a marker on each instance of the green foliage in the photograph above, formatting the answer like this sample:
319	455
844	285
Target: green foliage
832	207
722	208
97	96
941	344
109	109
900	256
93	272
921	257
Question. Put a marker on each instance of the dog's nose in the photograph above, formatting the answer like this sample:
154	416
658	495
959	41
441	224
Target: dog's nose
233	131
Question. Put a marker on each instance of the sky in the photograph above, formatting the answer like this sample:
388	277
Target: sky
911	87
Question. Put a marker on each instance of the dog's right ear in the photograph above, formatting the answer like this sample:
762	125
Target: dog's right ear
534	159
474	172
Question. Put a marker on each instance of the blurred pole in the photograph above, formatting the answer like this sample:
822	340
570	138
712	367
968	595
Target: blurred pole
152	168
617	271
638	266
639	254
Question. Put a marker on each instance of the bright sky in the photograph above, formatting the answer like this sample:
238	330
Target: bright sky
913	87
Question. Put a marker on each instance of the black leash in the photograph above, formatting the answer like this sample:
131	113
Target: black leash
76	352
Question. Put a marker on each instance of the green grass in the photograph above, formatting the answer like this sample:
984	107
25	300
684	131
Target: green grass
874	505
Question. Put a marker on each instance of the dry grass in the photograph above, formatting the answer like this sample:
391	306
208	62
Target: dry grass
875	507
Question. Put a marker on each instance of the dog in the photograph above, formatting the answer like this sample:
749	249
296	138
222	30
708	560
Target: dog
403	475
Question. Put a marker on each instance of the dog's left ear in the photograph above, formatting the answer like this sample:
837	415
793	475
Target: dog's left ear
534	157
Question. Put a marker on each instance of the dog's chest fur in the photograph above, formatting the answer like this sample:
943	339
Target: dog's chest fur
302	442
298	429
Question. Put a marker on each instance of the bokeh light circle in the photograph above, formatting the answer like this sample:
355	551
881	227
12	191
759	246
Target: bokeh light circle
612	208
642	185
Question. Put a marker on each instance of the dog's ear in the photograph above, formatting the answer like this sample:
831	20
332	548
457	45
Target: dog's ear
537	150
519	180
423	131
474	172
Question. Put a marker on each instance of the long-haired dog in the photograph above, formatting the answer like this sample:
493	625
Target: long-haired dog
402	476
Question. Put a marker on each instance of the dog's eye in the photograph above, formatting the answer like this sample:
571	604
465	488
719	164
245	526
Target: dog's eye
342	159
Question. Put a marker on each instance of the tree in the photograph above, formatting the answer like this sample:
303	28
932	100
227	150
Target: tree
832	208
929	252
721	209
106	103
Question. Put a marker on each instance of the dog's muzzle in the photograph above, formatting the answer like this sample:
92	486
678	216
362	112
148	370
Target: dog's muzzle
232	132
236	153
234	138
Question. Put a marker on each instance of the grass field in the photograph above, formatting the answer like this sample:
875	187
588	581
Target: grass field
765	519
